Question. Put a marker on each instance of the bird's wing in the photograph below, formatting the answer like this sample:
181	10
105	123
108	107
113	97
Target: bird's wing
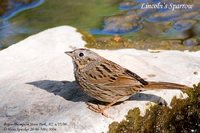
108	73
135	76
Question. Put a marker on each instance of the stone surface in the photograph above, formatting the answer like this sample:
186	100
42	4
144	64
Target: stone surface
191	42
121	24
37	83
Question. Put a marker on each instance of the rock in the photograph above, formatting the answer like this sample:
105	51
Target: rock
191	42
184	25
121	27
122	24
145	12
129	17
164	16
184	28
37	85
188	15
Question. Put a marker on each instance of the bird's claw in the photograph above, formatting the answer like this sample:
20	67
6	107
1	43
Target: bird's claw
97	109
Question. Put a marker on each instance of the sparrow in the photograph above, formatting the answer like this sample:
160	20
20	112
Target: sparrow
107	81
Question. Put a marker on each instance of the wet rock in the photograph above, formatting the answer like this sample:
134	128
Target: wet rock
121	24
146	12
188	15
130	17
121	27
191	42
183	29
164	16
184	25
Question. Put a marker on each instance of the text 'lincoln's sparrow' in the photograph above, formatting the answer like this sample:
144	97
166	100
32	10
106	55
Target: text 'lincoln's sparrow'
107	81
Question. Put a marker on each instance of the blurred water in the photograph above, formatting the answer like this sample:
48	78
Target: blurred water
174	22
15	25
105	17
8	29
19	8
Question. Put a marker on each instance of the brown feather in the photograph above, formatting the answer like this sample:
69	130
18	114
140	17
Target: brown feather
163	85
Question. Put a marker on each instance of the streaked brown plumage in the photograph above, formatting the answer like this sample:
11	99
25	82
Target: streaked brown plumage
107	81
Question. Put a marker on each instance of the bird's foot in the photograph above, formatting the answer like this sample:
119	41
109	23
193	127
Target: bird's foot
96	108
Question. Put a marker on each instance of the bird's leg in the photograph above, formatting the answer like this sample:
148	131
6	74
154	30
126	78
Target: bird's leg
93	107
97	108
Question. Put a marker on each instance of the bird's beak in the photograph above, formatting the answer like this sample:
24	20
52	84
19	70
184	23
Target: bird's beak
70	53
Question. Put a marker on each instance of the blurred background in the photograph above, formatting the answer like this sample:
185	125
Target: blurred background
108	24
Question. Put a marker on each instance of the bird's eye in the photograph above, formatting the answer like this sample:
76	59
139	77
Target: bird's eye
81	54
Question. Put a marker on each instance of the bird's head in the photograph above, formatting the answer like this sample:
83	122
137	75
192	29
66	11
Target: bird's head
81	57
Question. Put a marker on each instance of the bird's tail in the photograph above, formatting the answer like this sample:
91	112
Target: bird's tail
164	85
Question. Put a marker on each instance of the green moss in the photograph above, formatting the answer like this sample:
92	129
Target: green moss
183	117
87	37
4	46
138	43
